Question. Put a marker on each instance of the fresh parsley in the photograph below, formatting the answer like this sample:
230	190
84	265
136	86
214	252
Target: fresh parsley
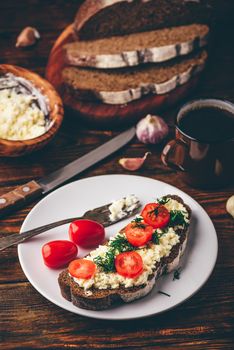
177	218
138	219
107	262
155	211
163	200
118	245
156	235
176	275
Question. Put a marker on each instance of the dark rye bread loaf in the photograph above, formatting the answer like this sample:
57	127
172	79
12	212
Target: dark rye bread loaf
120	86
105	18
101	299
133	49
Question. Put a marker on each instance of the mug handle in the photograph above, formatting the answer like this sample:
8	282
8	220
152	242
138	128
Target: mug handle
174	155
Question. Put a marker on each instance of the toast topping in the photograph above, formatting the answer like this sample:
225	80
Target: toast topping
160	246
119	208
150	254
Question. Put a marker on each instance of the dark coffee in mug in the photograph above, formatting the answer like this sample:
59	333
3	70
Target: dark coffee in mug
208	124
203	148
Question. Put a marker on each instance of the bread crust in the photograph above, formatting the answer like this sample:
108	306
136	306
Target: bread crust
75	54
102	299
105	18
119	97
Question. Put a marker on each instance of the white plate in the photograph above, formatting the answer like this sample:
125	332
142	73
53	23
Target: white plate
77	197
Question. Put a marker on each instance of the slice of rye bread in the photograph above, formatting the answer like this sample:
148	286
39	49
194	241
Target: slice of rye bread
101	299
106	18
120	86
133	49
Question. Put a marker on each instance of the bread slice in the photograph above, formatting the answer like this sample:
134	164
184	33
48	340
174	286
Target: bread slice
121	86
133	49
106	18
100	299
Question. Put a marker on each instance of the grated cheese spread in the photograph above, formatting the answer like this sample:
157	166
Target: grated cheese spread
173	204
150	255
21	115
120	208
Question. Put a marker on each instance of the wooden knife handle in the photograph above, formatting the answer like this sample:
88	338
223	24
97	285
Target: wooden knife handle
19	196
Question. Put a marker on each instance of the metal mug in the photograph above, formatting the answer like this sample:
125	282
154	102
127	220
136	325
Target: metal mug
201	164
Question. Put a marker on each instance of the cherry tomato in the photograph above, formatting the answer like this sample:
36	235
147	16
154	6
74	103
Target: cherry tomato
129	264
138	234
156	215
58	253
86	233
82	268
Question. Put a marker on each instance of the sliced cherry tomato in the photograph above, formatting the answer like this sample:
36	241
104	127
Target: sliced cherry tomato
156	215
129	264
138	233
58	253
86	233
82	268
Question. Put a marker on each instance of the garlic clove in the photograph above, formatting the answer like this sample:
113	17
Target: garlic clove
230	206
27	37
151	129
133	164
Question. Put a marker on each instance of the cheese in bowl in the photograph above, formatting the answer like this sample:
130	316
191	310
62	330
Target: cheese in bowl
23	109
31	111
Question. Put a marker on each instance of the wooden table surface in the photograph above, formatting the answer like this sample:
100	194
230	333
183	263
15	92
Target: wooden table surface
27	319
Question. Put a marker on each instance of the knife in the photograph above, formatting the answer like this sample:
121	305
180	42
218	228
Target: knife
24	194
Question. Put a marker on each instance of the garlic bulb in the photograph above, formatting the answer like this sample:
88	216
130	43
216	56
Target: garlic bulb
151	129
230	206
27	37
133	163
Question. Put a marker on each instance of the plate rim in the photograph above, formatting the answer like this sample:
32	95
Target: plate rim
82	312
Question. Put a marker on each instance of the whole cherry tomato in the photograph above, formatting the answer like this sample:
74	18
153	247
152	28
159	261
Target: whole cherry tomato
86	233
58	253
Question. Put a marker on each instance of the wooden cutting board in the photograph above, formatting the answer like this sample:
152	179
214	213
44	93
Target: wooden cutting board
105	115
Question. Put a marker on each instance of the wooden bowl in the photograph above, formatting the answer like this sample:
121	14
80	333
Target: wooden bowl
9	148
101	115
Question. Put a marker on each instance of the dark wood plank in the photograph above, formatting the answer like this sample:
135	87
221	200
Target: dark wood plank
28	320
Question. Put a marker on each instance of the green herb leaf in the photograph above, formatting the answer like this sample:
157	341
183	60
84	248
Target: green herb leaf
176	275
154	211
155	237
120	244
163	200
138	219
177	218
107	262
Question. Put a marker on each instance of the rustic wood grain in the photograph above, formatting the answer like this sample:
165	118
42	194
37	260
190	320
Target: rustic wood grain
28	320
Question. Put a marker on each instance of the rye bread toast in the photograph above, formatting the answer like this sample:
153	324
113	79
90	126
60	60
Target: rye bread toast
100	299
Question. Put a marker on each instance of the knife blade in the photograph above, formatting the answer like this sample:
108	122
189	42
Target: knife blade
26	193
